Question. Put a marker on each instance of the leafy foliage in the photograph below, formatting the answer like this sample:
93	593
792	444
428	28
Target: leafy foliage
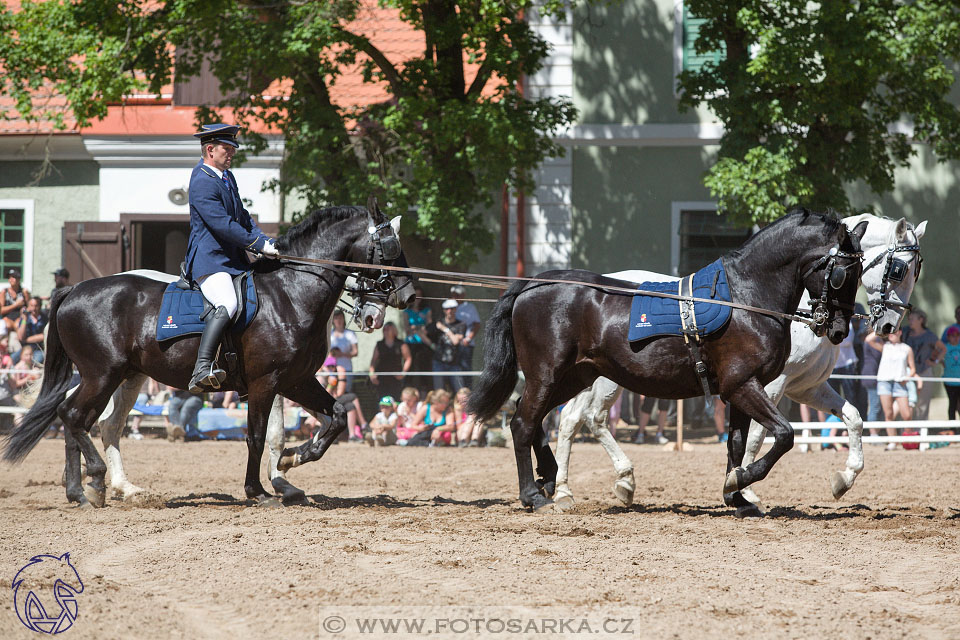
814	96
443	142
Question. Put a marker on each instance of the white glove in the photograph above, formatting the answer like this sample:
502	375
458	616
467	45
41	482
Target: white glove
269	249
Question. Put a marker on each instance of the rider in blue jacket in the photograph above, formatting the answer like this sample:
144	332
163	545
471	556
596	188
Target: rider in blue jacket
221	232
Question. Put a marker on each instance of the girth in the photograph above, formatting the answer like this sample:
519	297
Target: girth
691	336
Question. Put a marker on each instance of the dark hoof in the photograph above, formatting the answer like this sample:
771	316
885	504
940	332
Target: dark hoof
749	511
537	502
730	499
548	488
288	493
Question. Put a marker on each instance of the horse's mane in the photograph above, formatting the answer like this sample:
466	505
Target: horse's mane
797	216
311	224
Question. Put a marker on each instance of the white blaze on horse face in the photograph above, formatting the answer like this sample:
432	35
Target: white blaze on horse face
395	224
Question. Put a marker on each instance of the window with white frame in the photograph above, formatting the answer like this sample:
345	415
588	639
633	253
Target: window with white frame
12	239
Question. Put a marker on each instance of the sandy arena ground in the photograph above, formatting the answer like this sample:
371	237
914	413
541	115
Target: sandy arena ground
442	527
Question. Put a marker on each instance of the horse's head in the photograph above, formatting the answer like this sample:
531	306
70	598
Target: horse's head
891	267
383	248
832	279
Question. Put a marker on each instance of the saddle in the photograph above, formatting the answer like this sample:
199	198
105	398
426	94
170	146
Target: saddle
183	311
652	317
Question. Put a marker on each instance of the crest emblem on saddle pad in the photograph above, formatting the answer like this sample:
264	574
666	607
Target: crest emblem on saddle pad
170	323
643	321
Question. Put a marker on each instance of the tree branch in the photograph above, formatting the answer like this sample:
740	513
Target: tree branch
367	47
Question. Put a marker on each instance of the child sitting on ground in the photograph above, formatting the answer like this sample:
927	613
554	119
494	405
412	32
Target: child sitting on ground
406	412
382	427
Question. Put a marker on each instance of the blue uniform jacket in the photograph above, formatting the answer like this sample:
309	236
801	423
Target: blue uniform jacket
221	230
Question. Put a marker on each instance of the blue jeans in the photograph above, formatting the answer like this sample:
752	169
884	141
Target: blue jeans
439	382
183	412
874	410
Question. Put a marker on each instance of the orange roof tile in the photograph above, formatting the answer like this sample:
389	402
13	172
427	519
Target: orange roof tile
141	115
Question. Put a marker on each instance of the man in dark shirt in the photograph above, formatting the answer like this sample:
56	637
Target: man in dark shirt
447	335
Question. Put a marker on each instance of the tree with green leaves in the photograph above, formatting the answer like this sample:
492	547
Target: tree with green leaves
444	142
815	96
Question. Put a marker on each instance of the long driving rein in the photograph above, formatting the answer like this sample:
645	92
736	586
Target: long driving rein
835	276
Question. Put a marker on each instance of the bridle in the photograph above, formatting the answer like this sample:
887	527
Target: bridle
894	272
834	277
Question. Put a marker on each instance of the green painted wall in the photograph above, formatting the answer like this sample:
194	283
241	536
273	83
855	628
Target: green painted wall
622	199
70	192
927	190
623	64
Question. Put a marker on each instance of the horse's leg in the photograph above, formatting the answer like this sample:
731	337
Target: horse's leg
311	395
571	417
78	412
258	411
825	398
754	402
756	435
275	441
111	429
72	475
736	447
546	463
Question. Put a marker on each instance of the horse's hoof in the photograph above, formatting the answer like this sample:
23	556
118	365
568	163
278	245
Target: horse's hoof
563	503
96	498
624	492
751	497
542	504
289	493
269	502
548	488
839	484
289	459
749	511
732	481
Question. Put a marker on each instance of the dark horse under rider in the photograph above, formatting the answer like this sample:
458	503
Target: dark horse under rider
221	234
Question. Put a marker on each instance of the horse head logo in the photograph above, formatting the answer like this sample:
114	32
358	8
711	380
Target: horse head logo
32	585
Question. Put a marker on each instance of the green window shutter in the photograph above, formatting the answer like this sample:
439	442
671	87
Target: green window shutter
11	240
693	61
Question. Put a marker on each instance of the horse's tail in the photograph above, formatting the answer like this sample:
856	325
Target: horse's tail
499	375
57	372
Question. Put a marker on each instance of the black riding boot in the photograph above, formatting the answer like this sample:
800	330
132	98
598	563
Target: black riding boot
206	374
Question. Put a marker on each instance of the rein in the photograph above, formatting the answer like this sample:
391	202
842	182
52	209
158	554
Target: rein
490	281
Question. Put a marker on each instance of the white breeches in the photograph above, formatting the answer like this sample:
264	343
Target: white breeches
218	289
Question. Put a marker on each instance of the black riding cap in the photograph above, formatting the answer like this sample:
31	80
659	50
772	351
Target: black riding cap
225	133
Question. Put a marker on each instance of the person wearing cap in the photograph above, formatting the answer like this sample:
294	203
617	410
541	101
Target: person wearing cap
383	426
13	304
951	369
447	336
467	314
221	234
61	279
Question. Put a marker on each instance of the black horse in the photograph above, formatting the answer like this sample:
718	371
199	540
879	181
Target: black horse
107	328
563	336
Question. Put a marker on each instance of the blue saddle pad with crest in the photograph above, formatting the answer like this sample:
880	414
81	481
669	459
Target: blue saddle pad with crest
652	317
180	311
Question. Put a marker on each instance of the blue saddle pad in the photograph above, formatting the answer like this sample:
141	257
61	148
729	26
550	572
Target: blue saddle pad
652	317
180	311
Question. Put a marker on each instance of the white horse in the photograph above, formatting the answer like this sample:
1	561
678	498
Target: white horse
891	247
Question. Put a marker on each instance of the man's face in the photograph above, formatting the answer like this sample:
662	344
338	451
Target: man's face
450	314
220	155
32	305
14	281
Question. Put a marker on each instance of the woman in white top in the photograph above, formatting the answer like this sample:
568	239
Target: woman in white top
343	347
896	366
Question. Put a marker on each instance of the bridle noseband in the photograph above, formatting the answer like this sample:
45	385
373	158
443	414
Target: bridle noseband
834	277
894	271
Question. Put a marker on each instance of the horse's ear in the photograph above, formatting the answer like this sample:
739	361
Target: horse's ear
920	229
372	206
859	231
900	232
395	224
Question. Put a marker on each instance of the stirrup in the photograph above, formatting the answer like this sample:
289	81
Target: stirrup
209	380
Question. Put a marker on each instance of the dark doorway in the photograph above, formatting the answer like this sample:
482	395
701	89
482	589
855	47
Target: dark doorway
160	244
